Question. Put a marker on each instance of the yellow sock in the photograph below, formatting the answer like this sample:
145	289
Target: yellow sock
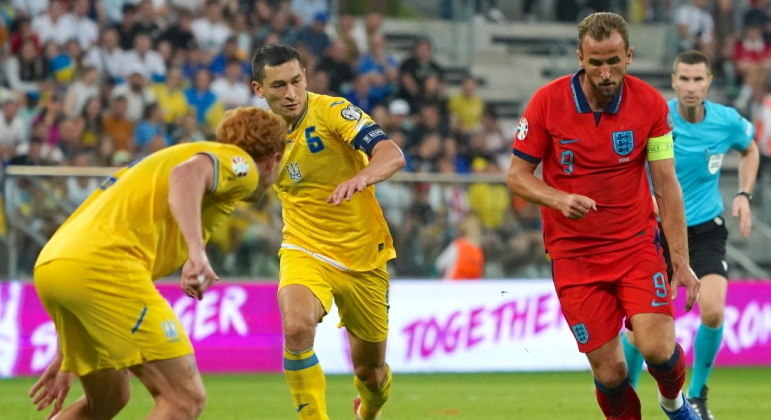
306	383
372	402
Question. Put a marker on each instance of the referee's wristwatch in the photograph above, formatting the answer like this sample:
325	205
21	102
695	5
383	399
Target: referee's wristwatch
746	194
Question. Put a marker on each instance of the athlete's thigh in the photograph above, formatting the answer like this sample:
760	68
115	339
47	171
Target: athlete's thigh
178	375
587	298
108	318
362	302
299	268
644	287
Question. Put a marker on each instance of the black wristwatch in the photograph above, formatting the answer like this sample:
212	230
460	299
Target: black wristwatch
746	194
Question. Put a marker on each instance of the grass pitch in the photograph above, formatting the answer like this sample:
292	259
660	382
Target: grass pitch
734	394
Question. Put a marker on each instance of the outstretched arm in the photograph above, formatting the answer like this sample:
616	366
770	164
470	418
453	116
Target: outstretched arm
188	183
523	182
670	202
387	158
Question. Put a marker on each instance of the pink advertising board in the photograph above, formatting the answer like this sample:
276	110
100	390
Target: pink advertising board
435	327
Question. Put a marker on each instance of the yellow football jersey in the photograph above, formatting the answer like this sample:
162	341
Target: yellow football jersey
325	147
127	222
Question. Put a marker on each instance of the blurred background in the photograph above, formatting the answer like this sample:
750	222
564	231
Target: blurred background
87	86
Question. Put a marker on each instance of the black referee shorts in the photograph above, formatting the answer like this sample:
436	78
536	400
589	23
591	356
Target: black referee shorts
706	246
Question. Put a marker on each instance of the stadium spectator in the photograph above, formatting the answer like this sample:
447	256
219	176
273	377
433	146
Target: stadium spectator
55	24
78	92
21	30
314	35
695	27
414	71
340	72
117	126
180	33
487	201
135	91
12	131
381	67
29	71
306	11
145	21
150	129
757	14
108	57
232	89
87	32
345	33
70	138
207	109
211	31
466	107
146	60
91	120
127	28
752	58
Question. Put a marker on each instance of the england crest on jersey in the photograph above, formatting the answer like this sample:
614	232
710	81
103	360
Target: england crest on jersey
623	142
579	330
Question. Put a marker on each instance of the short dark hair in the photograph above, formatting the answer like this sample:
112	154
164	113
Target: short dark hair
601	25
273	55
691	57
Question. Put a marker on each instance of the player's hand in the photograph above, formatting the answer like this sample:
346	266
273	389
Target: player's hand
574	206
686	277
197	276
52	387
741	209
346	190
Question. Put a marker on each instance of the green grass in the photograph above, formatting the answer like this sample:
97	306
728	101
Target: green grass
734	394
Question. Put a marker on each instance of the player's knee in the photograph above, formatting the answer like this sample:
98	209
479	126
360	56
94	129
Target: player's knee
656	351
298	335
371	376
712	318
611	374
189	403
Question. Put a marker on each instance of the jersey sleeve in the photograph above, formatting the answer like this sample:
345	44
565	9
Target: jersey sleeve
354	126
743	131
531	139
235	173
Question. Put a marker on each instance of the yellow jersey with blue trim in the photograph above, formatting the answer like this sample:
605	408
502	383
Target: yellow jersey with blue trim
329	144
127	222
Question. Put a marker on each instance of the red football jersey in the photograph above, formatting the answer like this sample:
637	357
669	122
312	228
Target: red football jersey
599	155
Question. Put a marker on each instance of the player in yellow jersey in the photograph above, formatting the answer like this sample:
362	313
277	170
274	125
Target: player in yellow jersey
336	241
95	276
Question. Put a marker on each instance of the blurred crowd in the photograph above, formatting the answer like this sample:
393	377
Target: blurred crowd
103	83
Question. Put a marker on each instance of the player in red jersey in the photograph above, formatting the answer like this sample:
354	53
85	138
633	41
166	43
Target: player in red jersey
594	131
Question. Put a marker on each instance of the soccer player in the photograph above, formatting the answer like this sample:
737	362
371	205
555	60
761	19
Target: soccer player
704	132
594	131
336	241
95	276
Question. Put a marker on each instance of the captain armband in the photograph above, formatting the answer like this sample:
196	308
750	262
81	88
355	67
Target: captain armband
660	148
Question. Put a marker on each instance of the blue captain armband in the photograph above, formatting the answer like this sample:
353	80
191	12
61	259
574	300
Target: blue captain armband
368	137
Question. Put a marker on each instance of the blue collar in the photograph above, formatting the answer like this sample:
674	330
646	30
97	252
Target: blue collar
582	105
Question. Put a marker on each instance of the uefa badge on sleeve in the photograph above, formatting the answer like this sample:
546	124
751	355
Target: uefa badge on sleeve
522	129
240	166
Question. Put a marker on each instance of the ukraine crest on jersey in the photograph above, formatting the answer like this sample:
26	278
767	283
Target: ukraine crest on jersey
127	221
325	148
